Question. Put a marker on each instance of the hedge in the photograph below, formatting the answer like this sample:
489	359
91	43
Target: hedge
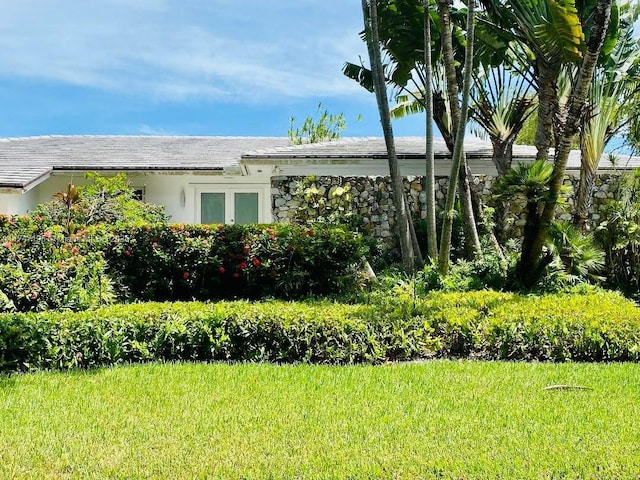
478	325
208	262
43	267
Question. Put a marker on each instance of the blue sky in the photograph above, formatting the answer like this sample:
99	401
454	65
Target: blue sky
183	67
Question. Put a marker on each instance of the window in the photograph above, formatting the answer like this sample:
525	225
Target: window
228	207
139	193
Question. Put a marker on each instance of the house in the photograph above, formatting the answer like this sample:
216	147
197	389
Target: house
234	179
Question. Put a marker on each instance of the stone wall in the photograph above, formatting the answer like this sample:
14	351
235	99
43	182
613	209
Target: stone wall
372	199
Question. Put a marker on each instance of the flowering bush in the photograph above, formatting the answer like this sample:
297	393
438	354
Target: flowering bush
43	268
162	262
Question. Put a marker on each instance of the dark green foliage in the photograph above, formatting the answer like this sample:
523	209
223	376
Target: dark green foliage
596	326
619	236
44	267
173	262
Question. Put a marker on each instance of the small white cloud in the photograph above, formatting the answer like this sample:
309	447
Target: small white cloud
148	130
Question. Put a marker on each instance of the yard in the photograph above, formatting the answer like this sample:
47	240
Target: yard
435	419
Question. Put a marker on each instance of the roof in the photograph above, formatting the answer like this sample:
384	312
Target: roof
369	147
25	161
407	148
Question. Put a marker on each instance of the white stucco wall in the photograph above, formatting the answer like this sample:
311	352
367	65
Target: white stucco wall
177	191
17	203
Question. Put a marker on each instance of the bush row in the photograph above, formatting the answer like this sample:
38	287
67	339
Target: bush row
44	267
181	262
480	325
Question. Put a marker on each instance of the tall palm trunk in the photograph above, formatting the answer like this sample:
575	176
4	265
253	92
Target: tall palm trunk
370	15
502	159
547	107
531	263
430	181
459	116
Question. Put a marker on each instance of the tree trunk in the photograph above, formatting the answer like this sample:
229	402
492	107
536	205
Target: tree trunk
583	198
547	108
469	208
502	157
440	117
459	117
430	180
531	264
370	14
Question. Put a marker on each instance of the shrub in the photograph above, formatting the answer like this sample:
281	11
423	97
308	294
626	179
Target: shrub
104	200
43	268
163	262
597	326
619	236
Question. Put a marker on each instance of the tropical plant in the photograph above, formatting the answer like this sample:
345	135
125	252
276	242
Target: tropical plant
325	127
459	169
552	32
580	255
612	98
502	101
109	200
408	244
619	236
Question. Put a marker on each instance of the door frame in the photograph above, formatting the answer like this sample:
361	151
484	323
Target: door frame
264	200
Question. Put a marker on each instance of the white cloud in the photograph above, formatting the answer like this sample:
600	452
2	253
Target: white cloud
170	49
149	130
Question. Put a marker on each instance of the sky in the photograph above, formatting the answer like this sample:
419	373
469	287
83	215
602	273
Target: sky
181	67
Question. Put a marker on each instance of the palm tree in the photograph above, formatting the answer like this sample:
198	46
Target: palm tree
405	71
531	265
370	15
502	101
459	168
613	94
432	240
551	31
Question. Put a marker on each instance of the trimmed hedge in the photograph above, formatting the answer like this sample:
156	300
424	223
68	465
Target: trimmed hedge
43	267
479	325
208	262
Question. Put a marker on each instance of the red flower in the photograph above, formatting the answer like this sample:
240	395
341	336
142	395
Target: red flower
221	270
46	234
242	265
127	253
235	275
185	275
75	250
256	262
7	244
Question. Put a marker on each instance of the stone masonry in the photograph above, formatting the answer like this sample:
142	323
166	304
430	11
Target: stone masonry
372	199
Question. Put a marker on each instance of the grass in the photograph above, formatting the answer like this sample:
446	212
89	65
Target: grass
437	419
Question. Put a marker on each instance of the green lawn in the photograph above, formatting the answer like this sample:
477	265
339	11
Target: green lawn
429	420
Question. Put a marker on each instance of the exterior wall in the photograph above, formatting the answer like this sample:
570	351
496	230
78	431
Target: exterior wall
177	191
16	203
372	199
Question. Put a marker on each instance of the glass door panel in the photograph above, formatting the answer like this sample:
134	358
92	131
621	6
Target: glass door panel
245	208
212	207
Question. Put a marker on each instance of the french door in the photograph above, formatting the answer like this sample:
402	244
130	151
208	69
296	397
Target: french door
222	206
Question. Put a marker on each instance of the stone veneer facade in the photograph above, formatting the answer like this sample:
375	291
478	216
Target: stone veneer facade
372	199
